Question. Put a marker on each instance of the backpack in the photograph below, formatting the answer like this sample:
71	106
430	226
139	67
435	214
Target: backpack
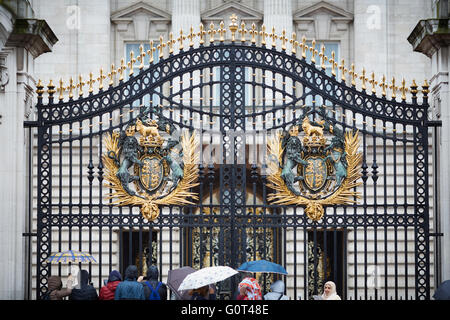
154	294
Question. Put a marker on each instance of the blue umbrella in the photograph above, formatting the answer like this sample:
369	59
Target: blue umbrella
262	266
71	256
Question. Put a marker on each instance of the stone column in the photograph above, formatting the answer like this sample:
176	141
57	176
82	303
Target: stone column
432	38
186	13
28	38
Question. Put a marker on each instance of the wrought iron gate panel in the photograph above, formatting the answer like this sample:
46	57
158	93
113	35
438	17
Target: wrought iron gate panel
235	220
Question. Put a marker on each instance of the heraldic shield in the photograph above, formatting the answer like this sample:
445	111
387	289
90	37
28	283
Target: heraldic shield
314	164
162	170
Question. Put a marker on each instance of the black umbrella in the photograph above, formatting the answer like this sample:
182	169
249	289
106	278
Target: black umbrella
174	280
443	292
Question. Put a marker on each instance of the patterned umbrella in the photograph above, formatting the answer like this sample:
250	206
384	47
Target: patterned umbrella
71	256
206	276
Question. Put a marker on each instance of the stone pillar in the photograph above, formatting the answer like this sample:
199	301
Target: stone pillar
432	38
27	39
278	14
186	13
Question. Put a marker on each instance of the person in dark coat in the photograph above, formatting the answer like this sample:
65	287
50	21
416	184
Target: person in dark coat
55	289
153	283
85	291
108	291
130	289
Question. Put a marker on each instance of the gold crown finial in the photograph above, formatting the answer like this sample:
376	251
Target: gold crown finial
222	31
403	89
110	76
393	88
161	46
100	79
334	64
121	69
383	86
191	36
80	85
363	79
233	26
313	51
150	52
283	39
70	88
51	88
131	63
343	70
274	37
171	42
353	74
304	47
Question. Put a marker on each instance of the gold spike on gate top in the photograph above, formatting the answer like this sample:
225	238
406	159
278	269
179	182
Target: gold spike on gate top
403	89
201	33
304	47
393	88
40	88
211	33
413	88
161	46
283	39
263	35
90	82
80	85
323	57
171	42
131	62
425	88
150	52
110	76
233	27
61	89
383	86
313	51
180	39
253	33
243	31
70	88
373	82
191	36
334	64
102	77
141	56
51	88
222	31
343	70
121	69
294	43
353	74
363	79
274	37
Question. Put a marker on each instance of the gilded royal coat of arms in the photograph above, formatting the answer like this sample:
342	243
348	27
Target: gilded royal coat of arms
314	164
145	169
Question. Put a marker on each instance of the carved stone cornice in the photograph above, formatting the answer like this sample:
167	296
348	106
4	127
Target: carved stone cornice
430	35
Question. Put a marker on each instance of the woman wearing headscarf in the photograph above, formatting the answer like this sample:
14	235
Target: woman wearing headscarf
107	291
329	291
84	290
249	289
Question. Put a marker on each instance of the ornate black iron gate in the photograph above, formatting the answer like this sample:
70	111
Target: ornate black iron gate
234	96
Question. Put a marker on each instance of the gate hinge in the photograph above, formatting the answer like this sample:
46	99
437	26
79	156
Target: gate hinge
434	123
30	124
436	234
29	234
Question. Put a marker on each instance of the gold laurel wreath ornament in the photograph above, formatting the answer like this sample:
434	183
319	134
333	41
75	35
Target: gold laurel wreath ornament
149	204
314	206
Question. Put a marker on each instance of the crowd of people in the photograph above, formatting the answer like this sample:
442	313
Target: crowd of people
135	287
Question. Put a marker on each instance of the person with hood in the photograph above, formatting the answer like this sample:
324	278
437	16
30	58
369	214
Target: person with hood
329	291
55	289
277	291
84	290
153	288
107	292
130	289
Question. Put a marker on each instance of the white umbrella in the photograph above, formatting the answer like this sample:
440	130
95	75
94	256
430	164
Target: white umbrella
206	276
